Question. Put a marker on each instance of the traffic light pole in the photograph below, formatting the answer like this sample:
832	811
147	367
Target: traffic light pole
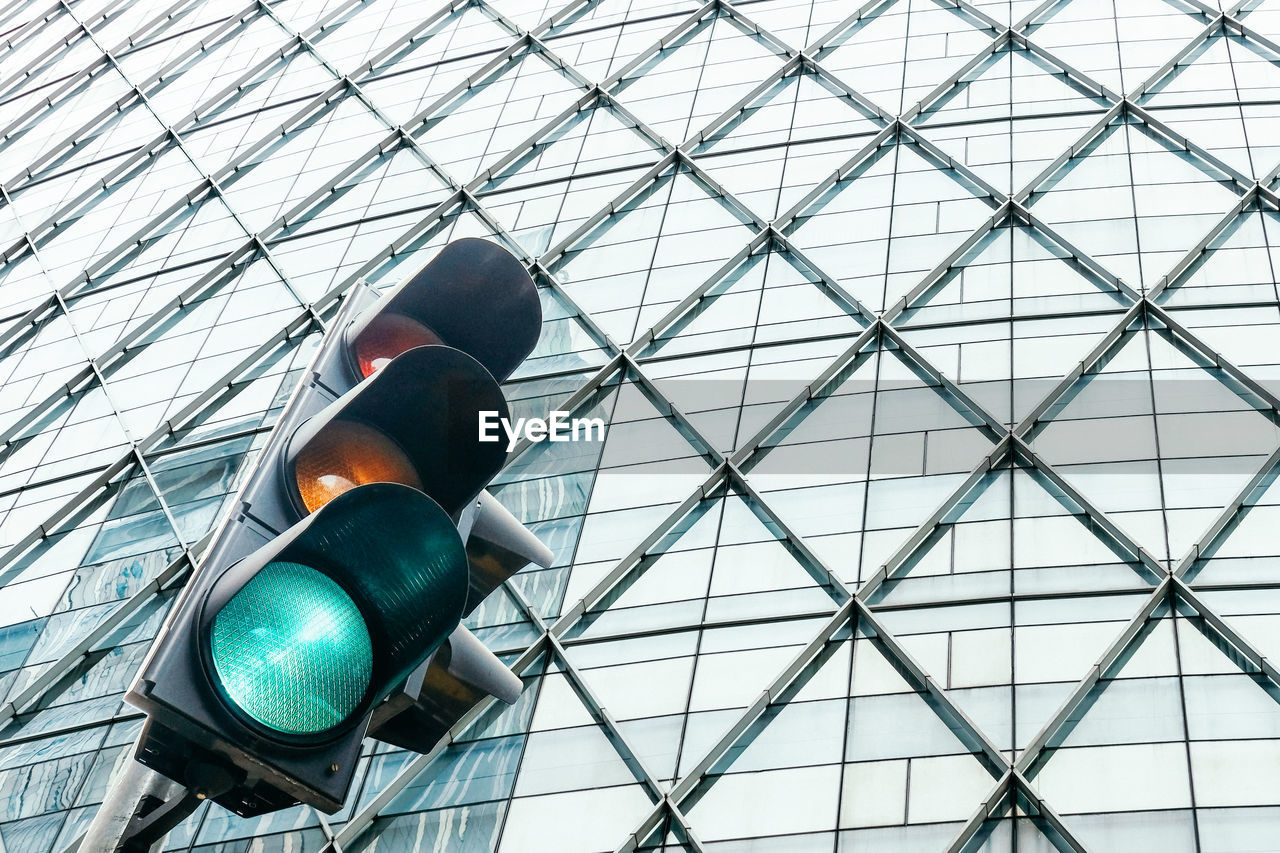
115	828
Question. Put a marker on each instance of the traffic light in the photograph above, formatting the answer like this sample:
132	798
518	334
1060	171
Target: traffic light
329	604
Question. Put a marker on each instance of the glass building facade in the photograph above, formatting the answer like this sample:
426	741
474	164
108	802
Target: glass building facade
935	338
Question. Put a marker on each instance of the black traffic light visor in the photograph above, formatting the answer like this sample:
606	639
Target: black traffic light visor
476	297
281	631
428	401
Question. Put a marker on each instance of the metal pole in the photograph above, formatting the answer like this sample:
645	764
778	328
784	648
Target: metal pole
107	832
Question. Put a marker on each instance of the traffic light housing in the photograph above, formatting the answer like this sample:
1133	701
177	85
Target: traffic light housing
329	604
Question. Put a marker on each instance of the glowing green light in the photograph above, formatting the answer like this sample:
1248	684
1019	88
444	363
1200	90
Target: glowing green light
291	650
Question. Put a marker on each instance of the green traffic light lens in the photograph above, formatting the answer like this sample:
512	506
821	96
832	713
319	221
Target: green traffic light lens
292	650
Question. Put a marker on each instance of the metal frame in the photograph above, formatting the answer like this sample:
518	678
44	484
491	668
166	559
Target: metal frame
879	332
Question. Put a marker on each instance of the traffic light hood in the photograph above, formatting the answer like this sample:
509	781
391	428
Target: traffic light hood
426	404
474	296
301	634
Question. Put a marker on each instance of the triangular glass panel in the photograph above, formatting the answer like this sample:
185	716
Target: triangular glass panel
647	466
89	686
1006	12
856	468
53	124
797	25
1181	711
25	510
308	157
600	38
91	692
872	55
730	396
395	182
218	330
1225	69
107	550
993	323
676	693
621	486
322	251
111	26
459	222
972	121
1134	201
850	747
650	253
242	118
723	563
565	344
817	124
525	14
572	783
42	357
173	254
1158	439
568	175
767	299
197	483
252	401
72	431
512	104
103	147
23	283
1021	827
1067	591
364	32
416	76
204	72
117	304
1244	553
1118	44
180	34
458	801
698	76
108	213
1235	267
888	222
302	17
40	51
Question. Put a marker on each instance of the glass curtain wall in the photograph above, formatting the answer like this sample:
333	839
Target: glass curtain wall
936	340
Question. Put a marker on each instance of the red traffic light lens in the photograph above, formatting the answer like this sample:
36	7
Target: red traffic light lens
386	336
346	454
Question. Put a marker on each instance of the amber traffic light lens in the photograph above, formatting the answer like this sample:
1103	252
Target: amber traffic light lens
346	454
386	336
